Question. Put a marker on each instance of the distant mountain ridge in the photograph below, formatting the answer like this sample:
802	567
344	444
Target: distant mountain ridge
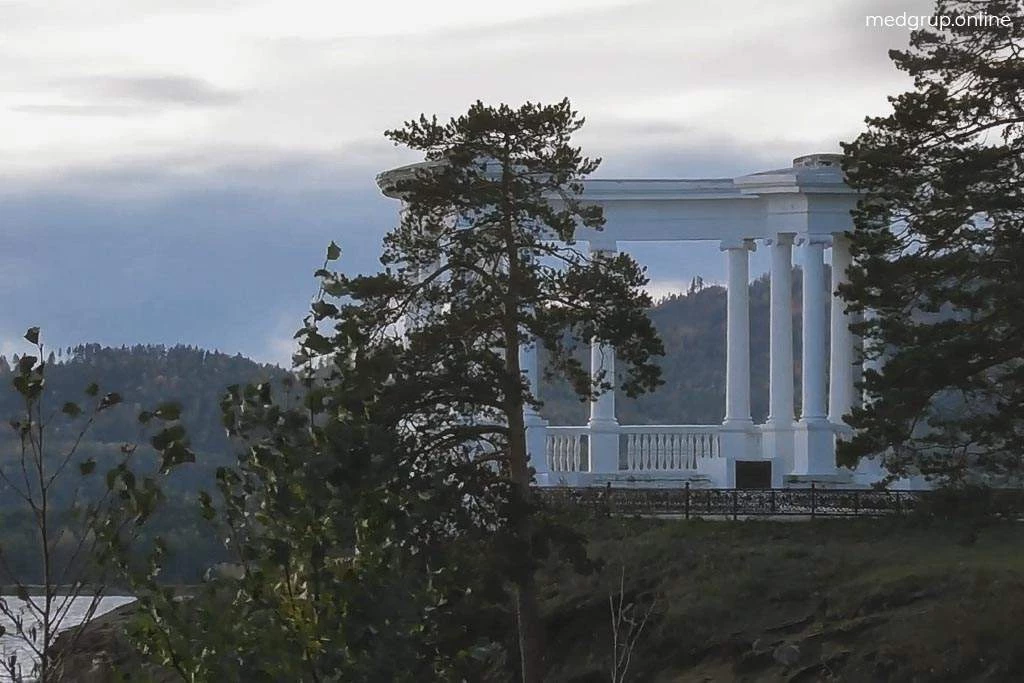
145	375
692	326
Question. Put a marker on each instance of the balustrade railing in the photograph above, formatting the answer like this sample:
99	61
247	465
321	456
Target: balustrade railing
650	448
567	449
642	448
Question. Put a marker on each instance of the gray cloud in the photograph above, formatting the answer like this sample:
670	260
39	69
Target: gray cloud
218	249
82	109
223	259
194	227
156	89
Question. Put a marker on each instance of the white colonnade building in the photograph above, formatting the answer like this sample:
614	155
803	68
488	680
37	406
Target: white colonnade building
805	207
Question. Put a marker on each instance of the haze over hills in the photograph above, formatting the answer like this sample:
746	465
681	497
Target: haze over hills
692	326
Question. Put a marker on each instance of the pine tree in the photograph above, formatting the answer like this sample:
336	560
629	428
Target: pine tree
939	253
484	260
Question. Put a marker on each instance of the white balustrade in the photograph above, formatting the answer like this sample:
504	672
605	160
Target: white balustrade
647	448
567	449
669	447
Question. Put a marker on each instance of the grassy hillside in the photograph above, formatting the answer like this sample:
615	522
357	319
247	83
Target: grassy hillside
849	600
852	600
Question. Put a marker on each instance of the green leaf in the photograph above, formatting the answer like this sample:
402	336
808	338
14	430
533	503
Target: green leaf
92	389
166	437
110	400
323	309
32	335
71	409
87	467
206	505
175	454
333	251
168	411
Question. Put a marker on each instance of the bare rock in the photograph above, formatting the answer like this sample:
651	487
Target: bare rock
787	655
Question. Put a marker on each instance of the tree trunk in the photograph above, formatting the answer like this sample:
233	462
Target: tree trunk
531	652
527	611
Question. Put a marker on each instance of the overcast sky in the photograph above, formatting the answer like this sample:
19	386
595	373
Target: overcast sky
172	170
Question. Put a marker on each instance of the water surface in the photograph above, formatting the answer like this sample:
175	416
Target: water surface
11	644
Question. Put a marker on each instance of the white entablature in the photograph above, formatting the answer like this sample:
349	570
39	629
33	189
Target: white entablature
808	206
809	197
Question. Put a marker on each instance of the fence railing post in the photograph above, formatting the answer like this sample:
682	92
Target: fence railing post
843	502
686	501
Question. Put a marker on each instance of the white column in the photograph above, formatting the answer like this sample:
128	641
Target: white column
815	452
814	324
528	364
536	426
737	437
858	363
780	388
737	349
875	364
841	360
602	364
777	434
603	438
869	470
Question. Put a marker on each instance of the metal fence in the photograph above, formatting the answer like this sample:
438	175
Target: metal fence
735	503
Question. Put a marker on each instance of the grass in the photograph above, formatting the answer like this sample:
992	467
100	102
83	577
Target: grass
883	599
838	599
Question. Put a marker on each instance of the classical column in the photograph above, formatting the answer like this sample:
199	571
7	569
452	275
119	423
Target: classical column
602	365
858	363
737	436
876	363
777	432
529	365
536	426
841	360
869	470
737	348
815	439
814	324
603	446
780	388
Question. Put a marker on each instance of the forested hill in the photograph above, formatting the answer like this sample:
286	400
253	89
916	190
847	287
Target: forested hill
692	326
145	376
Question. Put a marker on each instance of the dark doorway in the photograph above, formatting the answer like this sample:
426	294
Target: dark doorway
753	474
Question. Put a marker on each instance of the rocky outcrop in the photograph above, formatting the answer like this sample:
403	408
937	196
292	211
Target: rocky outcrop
102	653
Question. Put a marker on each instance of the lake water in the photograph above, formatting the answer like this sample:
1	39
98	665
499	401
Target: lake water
13	645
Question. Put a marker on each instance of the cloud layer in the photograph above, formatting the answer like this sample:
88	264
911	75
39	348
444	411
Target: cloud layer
177	168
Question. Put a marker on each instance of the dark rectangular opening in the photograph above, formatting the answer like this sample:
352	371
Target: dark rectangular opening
753	474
